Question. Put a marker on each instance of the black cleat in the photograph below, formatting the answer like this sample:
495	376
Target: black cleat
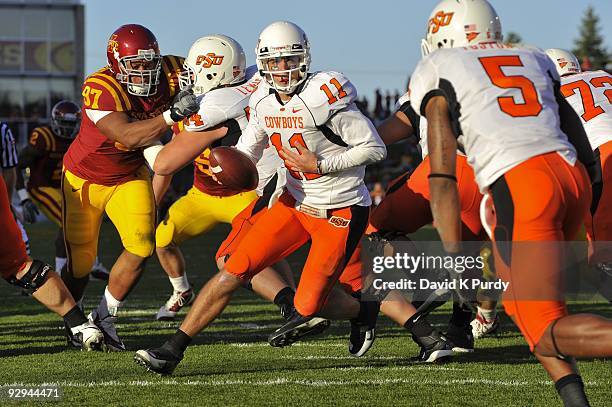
461	338
296	328
158	360
363	328
435	348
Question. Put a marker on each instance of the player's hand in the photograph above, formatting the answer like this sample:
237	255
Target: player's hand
30	211
305	161
184	105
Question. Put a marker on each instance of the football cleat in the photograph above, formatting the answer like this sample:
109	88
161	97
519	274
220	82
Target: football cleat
296	328
461	338
435	348
363	330
99	272
88	337
158	360
482	327
106	322
177	300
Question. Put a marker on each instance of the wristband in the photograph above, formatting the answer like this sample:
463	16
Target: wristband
439	175
168	118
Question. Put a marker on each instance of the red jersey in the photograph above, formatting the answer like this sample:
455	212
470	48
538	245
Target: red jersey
92	156
47	170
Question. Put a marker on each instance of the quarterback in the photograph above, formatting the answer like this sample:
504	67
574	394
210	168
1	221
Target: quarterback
325	199
504	106
127	105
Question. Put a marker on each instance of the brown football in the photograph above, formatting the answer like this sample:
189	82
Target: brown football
233	168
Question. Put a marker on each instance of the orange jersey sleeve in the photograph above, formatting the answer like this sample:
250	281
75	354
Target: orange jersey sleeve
101	91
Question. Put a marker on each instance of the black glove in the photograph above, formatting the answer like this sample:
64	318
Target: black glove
30	211
184	105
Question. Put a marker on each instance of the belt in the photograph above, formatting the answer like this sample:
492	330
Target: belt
312	211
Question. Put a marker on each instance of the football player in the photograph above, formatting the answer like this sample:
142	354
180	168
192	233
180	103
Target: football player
326	200
43	156
127	105
589	93
216	68
529	151
39	280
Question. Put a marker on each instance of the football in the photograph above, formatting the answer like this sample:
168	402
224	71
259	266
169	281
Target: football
233	169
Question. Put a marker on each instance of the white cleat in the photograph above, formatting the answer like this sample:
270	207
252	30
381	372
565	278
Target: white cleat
482	327
177	300
89	336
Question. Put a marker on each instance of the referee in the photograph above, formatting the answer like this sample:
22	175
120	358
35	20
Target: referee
8	163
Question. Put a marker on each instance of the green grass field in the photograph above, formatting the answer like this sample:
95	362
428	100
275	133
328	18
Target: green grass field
232	364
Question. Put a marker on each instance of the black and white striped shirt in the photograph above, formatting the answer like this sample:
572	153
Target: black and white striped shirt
7	147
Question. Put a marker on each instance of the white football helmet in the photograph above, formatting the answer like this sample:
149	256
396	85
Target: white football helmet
565	62
213	61
459	23
283	39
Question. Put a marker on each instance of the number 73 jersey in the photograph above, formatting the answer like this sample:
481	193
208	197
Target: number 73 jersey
502	104
322	117
590	94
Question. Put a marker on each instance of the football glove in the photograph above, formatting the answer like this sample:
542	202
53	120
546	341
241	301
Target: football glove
184	105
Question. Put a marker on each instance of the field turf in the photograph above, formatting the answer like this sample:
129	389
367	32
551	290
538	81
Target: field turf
232	364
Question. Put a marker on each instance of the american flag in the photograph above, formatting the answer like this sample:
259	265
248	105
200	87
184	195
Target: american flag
470	27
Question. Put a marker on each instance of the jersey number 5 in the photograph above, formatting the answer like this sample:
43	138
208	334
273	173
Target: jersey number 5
294	140
493	67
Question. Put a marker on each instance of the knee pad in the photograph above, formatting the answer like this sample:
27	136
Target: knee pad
239	265
306	308
164	234
34	278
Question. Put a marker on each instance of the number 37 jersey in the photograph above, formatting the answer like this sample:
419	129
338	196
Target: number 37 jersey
322	117
501	100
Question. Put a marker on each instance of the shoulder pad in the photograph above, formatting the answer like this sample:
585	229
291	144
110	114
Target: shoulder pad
42	138
102	91
327	93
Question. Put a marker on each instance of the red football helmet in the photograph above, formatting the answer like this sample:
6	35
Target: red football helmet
133	56
66	119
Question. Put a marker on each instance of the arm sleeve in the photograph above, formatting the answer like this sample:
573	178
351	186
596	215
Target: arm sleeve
364	144
254	139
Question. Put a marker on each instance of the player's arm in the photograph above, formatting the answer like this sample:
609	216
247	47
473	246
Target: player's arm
185	147
110	118
28	156
442	145
352	129
160	183
400	125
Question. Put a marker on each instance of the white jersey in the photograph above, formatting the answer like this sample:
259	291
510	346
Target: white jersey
418	123
502	104
321	116
232	103
590	94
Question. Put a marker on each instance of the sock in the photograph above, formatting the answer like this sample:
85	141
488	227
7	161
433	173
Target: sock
177	343
420	327
462	316
75	317
59	264
112	303
488	314
571	390
284	297
180	284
